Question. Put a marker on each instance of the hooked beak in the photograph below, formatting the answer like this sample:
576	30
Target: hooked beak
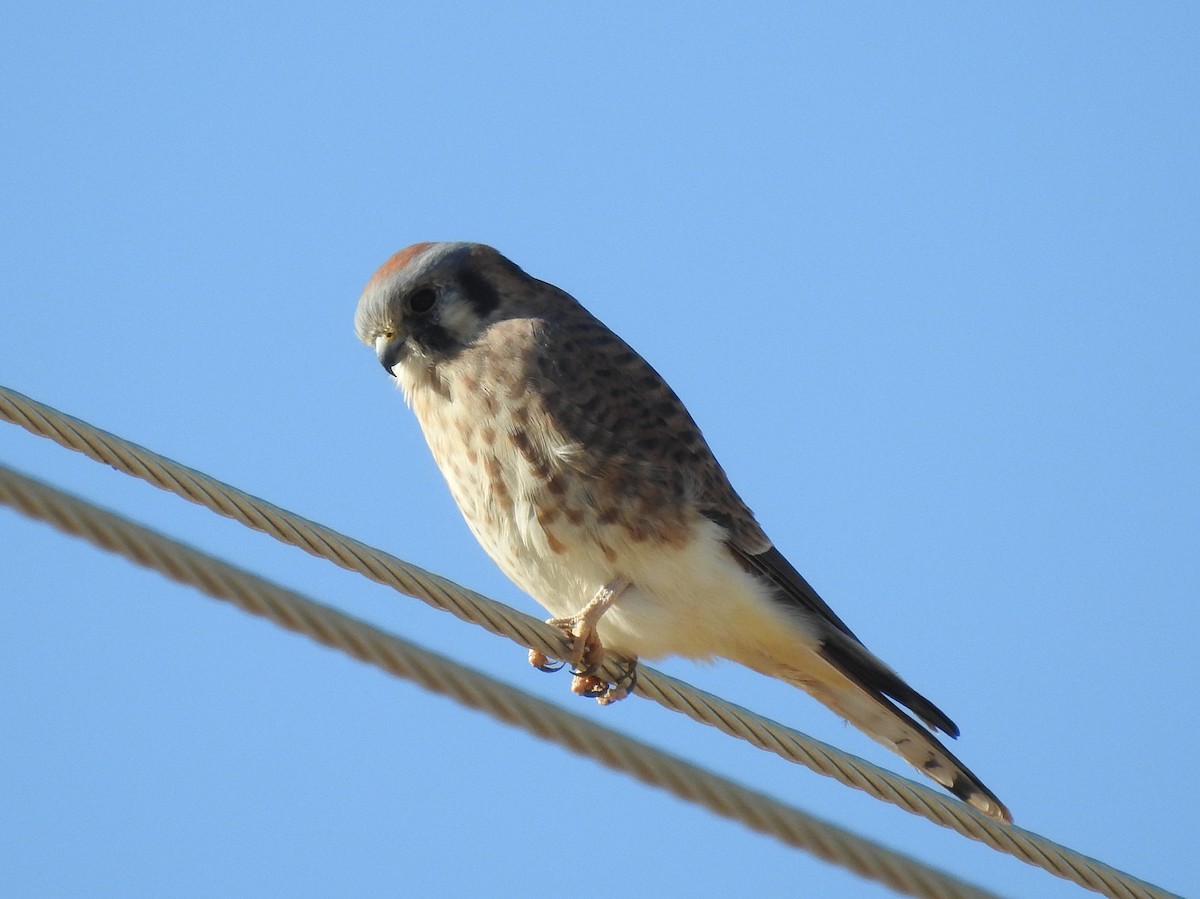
389	350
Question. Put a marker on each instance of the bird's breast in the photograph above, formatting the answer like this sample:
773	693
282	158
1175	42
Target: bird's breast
529	515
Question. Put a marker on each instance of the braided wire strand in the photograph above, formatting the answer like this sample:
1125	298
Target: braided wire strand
471	688
525	630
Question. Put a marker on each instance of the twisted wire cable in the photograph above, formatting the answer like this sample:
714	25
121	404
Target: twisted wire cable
471	688
527	631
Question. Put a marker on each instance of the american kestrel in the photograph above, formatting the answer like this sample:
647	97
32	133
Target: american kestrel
584	477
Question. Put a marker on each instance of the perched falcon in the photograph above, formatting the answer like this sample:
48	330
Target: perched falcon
586	480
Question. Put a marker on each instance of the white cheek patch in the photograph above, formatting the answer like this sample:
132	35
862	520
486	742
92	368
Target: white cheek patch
458	318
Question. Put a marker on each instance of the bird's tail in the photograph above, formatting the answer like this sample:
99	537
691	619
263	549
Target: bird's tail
858	687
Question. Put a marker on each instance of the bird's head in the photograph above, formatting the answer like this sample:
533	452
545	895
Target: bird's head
432	299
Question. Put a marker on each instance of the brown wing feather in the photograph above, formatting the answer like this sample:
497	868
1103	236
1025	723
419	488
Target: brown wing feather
632	440
640	451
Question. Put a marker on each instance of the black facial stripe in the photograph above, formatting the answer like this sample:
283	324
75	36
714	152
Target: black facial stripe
434	337
480	292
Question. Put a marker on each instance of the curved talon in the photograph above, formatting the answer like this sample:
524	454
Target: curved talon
541	662
622	687
585	682
630	678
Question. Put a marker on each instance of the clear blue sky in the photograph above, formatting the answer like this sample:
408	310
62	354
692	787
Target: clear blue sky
926	275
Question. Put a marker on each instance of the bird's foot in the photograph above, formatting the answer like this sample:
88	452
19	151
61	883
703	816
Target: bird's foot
587	653
622	687
580	628
590	684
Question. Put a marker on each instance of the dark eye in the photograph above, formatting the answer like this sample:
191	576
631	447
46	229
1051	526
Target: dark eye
422	300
